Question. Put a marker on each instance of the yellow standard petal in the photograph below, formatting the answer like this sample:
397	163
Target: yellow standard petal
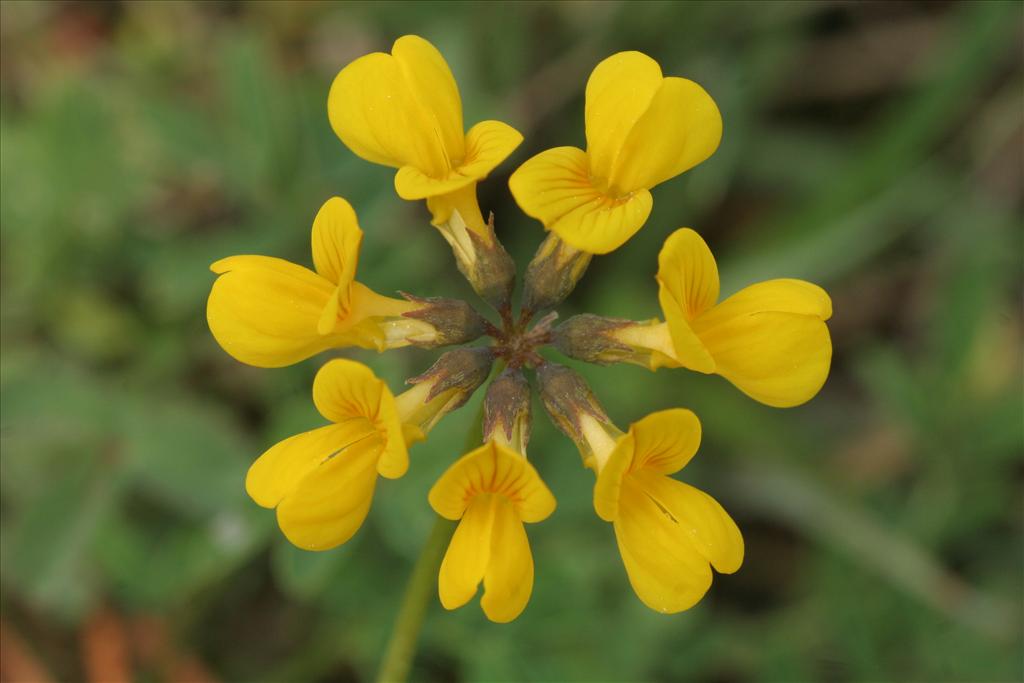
555	187
336	239
771	340
492	468
662	442
687	269
345	390
687	286
492	491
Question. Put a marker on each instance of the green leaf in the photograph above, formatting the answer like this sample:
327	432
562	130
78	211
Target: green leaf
46	547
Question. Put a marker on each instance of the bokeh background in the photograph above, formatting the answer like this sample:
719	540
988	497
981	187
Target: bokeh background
874	148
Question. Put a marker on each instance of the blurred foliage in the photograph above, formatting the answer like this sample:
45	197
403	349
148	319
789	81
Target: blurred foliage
874	148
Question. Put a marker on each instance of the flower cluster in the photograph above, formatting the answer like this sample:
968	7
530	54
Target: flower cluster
642	128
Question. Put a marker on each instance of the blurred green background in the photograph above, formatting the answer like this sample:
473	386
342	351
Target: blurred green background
874	148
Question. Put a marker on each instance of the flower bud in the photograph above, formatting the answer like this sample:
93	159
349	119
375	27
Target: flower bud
447	385
454	321
507	410
587	337
482	260
553	274
596	339
573	408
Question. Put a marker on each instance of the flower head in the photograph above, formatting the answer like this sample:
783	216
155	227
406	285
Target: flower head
492	491
642	129
403	110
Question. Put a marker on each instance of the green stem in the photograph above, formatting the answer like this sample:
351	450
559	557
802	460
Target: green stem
394	668
422	583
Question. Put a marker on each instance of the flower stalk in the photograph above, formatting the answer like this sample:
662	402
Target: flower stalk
401	647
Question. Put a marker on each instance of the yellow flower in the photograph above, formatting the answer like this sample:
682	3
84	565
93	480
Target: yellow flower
769	339
403	110
492	491
669	533
270	313
642	129
322	481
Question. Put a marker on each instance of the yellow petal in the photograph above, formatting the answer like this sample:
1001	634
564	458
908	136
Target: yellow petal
688	271
688	349
782	295
265	311
488	143
680	128
329	317
687	286
662	442
492	468
555	188
431	80
508	579
275	473
365	303
376	113
394	460
771	341
666	570
412	434
412	183
336	239
665	441
608	487
465	561
464	201
329	504
619	90
366	334
700	517
344	390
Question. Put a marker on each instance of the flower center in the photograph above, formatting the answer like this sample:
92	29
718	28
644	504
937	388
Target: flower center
517	343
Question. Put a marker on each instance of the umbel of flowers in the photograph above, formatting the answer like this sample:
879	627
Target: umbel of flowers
402	109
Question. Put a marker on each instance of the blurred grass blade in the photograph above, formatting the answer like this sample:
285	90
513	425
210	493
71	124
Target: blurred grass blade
780	492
